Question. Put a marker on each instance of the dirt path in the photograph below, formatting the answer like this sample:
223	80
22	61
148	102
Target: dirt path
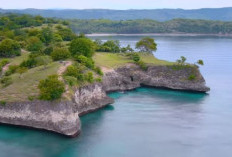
5	68
62	69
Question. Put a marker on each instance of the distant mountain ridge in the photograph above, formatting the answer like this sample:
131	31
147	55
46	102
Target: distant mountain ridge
222	14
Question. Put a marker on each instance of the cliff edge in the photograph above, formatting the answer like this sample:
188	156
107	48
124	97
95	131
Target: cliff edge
63	117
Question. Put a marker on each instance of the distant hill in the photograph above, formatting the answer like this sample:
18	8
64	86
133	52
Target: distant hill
222	14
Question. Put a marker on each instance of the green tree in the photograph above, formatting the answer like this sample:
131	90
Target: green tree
146	44
9	48
51	88
60	54
43	60
46	35
34	44
114	45
200	62
82	46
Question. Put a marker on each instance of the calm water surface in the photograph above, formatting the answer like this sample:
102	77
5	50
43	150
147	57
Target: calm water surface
149	122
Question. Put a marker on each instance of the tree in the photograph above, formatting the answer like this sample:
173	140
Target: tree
114	45
181	61
82	46
146	44
9	48
46	35
34	44
200	62
43	60
51	88
60	54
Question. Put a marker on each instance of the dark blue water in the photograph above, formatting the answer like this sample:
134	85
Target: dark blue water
149	122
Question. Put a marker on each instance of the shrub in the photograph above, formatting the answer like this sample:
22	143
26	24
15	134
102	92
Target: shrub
21	70
43	60
70	80
48	50
98	79
4	62
192	77
29	63
82	46
51	88
88	62
3	103
136	57
60	54
71	71
12	69
89	77
142	65
98	71
34	44
9	48
6	81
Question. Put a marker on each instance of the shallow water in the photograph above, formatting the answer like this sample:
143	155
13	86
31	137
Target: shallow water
149	122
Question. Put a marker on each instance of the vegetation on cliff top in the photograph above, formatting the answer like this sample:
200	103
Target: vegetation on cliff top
43	59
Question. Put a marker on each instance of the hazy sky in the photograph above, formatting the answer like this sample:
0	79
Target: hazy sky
114	4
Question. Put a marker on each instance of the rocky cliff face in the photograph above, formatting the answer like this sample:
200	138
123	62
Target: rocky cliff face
63	117
132	76
53	116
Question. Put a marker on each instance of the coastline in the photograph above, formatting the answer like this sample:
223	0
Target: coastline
157	34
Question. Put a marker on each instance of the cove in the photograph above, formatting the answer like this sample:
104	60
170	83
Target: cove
149	122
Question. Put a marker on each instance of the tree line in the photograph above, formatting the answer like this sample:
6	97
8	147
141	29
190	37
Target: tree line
152	26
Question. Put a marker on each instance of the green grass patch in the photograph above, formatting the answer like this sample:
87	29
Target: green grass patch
26	86
114	60
19	59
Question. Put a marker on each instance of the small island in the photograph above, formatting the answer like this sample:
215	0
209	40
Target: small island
49	76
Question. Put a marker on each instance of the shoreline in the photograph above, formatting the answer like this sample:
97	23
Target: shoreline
157	34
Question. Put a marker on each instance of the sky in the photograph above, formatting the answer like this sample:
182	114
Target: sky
113	4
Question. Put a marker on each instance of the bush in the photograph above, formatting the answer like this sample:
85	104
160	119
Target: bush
98	79
60	54
34	44
4	62
71	71
98	71
43	60
3	103
70	80
12	69
82	46
89	77
48	50
136	57
142	65
6	81
51	88
9	48
192	77
88	62
29	63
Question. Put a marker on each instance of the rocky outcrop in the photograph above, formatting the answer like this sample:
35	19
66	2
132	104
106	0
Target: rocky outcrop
63	117
90	98
132	76
53	116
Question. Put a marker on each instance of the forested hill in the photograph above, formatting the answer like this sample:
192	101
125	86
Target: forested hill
222	14
152	26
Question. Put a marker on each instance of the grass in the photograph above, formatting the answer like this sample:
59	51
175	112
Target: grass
26	86
19	59
114	60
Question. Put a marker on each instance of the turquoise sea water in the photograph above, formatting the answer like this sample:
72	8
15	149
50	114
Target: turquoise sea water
149	122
